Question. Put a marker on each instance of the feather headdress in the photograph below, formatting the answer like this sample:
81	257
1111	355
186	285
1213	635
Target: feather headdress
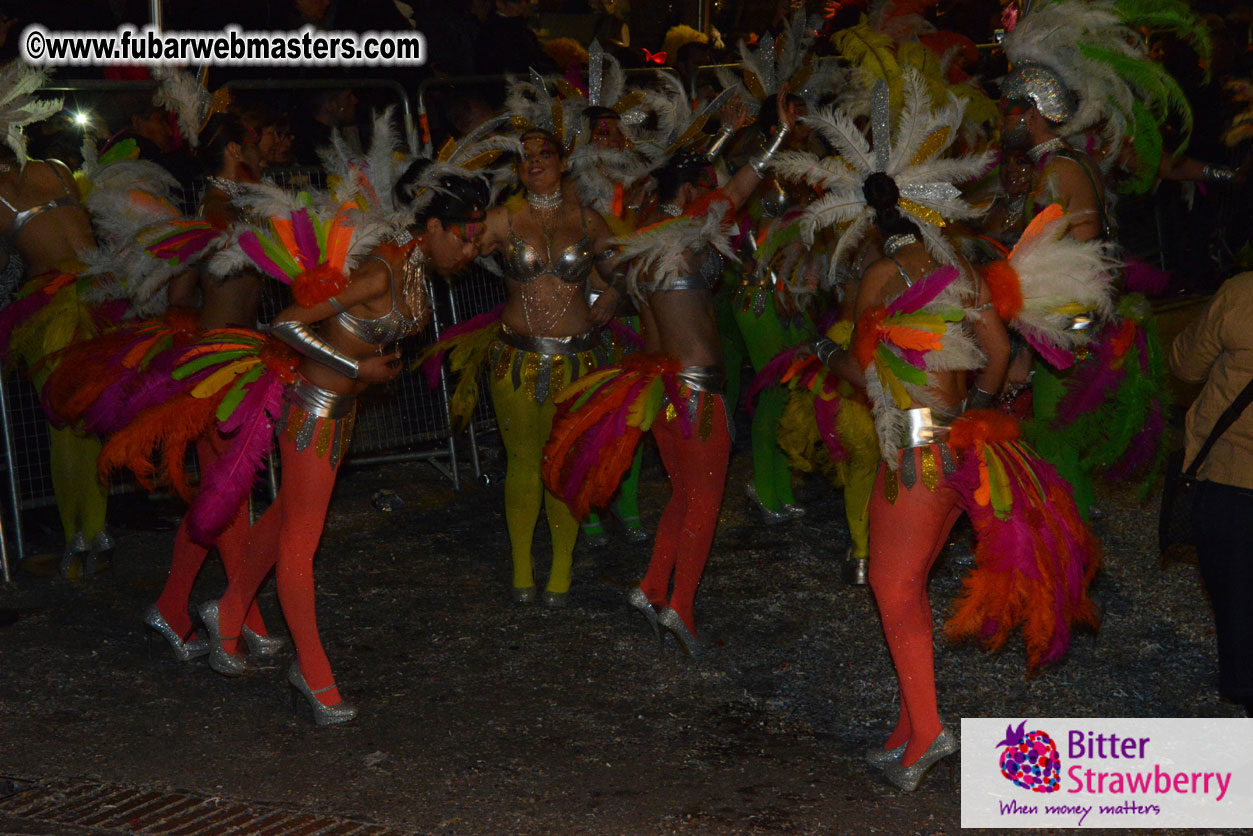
911	156
1090	49
19	82
786	59
189	99
1049	283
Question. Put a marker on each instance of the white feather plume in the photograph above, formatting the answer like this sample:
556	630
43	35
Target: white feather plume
19	106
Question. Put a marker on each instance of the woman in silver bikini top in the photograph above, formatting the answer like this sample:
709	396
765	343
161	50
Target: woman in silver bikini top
388	328
524	263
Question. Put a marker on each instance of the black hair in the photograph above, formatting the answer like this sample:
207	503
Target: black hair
457	197
882	195
222	130
683	167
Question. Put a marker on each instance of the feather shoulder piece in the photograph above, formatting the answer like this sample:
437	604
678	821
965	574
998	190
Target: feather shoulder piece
307	242
1052	288
20	105
661	253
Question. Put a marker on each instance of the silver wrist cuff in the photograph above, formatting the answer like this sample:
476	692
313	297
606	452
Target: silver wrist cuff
976	398
307	343
825	349
762	160
1218	173
720	141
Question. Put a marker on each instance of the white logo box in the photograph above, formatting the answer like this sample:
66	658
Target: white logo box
1114	772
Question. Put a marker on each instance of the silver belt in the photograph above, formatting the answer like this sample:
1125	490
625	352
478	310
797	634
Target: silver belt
710	379
572	344
317	401
923	428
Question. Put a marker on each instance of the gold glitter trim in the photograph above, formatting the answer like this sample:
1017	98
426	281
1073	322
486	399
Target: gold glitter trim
930	146
558	376
295	422
503	362
921	212
706	425
672	414
930	473
890	488
322	439
530	373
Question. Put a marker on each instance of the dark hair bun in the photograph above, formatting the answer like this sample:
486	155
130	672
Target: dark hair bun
880	192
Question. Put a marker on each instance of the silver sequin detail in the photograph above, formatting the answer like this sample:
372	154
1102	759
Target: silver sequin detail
1048	146
1044	88
880	131
765	60
946	459
305	437
933	192
543	378
595	73
908	474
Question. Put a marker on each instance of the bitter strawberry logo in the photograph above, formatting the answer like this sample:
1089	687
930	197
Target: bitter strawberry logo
1030	759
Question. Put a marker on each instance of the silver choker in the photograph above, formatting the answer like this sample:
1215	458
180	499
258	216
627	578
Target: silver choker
1045	148
544	202
671	210
233	188
898	242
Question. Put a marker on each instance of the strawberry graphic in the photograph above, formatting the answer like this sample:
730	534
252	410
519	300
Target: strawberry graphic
1030	759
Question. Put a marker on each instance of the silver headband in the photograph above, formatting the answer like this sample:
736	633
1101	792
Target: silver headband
1044	88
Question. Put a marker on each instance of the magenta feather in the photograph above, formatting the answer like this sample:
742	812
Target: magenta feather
252	248
226	484
434	364
922	293
1141	277
626	336
770	375
306	237
1058	358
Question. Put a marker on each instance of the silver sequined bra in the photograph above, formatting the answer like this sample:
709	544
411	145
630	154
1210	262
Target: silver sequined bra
388	328
524	263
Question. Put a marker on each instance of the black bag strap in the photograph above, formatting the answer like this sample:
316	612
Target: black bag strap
1224	422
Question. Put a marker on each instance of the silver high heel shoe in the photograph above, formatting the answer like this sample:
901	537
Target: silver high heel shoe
266	646
908	777
878	756
633	530
768	516
793	511
522	594
555	600
100	555
692	646
224	663
639	601
323	714
594	537
184	649
71	566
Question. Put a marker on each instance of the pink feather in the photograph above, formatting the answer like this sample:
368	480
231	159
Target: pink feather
626	336
307	250
1058	358
770	375
14	314
252	248
924	292
1142	277
226	483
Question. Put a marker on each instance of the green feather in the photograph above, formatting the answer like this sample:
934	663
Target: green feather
238	390
217	358
1155	87
1147	143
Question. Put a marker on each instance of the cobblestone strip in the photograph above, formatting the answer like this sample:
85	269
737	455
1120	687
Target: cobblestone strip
108	808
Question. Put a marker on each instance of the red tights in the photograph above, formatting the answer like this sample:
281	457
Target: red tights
905	539
698	473
189	556
288	534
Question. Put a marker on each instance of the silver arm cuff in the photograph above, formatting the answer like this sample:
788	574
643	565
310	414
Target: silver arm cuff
825	349
720	141
762	160
1218	173
307	343
976	398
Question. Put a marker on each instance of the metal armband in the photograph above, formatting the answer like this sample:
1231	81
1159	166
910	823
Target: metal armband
825	349
762	160
1217	173
307	343
720	141
976	398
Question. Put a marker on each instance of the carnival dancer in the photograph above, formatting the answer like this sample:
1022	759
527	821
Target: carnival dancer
675	261
549	336
613	154
1081	72
924	323
360	314
43	218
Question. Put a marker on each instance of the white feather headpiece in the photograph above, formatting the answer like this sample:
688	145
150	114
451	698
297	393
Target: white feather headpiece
911	156
19	82
779	60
